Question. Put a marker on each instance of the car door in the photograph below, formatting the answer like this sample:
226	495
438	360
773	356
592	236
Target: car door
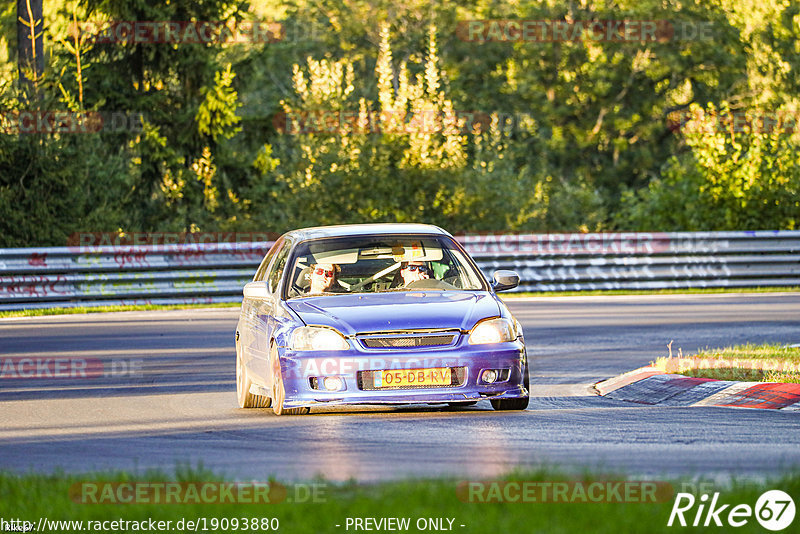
264	315
251	319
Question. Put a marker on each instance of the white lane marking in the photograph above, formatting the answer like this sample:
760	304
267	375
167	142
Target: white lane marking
563	390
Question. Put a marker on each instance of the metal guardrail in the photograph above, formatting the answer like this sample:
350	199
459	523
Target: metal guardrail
202	273
583	262
209	273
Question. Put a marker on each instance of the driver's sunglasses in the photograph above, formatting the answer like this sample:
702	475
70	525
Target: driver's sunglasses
420	268
321	271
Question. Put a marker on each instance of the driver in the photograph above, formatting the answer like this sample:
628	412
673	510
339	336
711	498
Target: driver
411	271
323	278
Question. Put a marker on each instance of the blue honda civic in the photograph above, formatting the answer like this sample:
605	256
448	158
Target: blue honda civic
376	314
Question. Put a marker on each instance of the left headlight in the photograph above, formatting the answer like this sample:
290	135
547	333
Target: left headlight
492	331
318	338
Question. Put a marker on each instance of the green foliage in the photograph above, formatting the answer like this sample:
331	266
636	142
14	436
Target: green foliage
50	188
730	180
590	146
405	158
216	116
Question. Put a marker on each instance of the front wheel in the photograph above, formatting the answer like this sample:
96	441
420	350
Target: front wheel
515	404
278	389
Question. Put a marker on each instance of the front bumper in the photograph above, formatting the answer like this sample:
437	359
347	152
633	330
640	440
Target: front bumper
300	370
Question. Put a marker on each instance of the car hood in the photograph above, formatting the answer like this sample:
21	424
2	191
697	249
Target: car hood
375	312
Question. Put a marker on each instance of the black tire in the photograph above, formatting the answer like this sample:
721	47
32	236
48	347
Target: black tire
243	383
519	403
278	390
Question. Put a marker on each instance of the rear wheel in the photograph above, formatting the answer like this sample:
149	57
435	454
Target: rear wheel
515	404
278	389
243	383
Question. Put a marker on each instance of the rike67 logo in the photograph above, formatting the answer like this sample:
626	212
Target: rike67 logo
774	510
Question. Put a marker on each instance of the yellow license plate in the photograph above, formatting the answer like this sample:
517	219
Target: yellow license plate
398	378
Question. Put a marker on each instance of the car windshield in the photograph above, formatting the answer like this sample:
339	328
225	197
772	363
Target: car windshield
370	264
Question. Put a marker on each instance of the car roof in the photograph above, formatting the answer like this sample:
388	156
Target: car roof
348	230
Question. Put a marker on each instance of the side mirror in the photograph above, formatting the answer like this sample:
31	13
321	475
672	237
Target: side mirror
505	280
256	290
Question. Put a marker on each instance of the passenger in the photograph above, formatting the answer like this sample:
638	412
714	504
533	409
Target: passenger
411	271
323	278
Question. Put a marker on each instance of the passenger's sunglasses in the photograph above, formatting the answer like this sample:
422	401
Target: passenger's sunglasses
420	268
321	271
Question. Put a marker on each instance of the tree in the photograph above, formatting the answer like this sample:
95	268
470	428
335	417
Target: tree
741	173
406	156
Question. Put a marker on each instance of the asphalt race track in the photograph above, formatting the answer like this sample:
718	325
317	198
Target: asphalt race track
170	400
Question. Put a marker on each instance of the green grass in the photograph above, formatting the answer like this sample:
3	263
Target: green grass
100	309
744	375
766	351
744	363
30	497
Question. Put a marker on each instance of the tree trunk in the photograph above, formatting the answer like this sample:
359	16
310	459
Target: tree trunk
30	36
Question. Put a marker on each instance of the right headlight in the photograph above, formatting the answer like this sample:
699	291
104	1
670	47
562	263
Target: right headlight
497	330
318	338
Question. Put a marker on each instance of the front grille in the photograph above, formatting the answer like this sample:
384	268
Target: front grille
365	380
408	339
420	341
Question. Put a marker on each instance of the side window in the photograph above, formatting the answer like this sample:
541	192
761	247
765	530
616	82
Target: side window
277	269
262	269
